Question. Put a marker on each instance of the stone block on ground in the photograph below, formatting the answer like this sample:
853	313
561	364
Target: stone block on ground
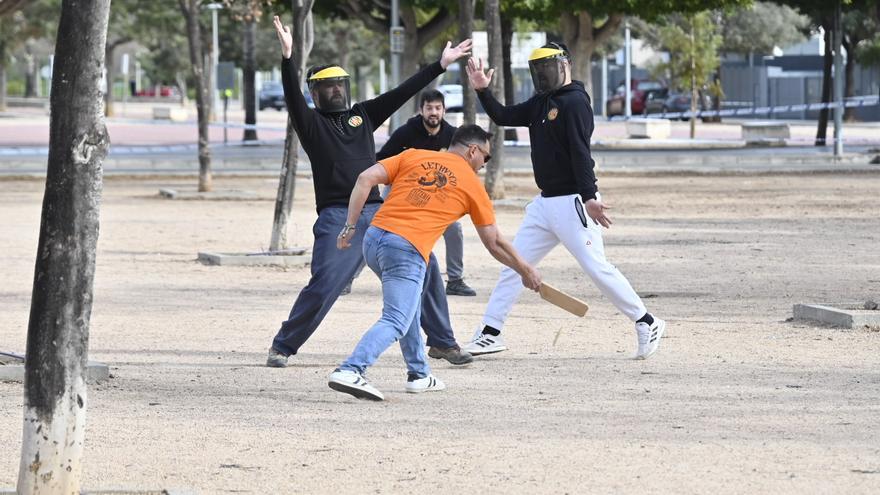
221	195
640	128
845	315
765	133
170	113
294	257
12	369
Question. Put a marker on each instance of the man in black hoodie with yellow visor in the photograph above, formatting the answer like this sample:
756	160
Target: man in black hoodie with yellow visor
569	209
338	139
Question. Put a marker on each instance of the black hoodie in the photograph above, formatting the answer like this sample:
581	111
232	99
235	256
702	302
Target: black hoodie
414	135
560	126
340	145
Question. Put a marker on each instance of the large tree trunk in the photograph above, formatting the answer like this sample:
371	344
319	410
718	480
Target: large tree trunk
58	330
190	10
495	168
506	42
303	39
581	37
822	129
250	77
465	31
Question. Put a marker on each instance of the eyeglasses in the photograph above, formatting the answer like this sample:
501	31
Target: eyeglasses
486	155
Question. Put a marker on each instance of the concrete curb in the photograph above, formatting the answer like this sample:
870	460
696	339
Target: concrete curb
95	372
846	315
245	259
222	195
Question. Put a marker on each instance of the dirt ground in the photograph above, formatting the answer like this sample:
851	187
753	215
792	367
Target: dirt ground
737	400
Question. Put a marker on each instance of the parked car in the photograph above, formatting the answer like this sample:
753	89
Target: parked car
675	103
272	96
638	88
452	96
161	91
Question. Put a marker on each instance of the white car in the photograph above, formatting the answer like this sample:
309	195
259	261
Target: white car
452	96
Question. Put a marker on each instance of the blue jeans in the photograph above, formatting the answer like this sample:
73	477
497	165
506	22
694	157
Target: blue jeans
333	268
402	270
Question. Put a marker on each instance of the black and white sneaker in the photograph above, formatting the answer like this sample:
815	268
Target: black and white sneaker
649	337
484	343
353	383
429	383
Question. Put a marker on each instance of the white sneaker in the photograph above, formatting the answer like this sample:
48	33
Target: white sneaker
353	383
483	343
429	383
649	337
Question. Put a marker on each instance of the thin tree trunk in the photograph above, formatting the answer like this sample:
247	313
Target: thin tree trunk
465	31
849	113
693	55
55	396
506	42
30	77
494	181
303	39
108	80
822	129
250	78
190	10
2	76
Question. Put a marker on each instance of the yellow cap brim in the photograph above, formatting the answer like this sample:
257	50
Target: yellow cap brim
329	73
540	53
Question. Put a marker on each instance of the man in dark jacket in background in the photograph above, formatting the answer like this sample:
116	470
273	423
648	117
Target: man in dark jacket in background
429	131
338	139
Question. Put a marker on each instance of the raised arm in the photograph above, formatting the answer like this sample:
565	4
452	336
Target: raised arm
504	252
297	107
511	115
384	105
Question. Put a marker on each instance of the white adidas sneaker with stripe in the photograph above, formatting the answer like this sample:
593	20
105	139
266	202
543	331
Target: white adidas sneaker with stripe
484	343
429	383
649	337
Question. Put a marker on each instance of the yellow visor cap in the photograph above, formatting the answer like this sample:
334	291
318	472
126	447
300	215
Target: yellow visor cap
540	53
329	73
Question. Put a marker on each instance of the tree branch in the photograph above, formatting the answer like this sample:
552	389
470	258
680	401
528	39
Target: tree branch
608	28
436	25
10	6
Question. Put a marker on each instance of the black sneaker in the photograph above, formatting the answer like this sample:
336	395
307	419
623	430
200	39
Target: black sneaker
452	354
459	288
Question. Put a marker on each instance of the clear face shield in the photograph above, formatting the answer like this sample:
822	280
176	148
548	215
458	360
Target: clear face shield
331	95
548	73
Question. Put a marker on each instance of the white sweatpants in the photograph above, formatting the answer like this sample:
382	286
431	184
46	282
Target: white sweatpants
548	222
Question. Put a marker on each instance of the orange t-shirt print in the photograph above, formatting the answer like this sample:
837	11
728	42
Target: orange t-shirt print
429	191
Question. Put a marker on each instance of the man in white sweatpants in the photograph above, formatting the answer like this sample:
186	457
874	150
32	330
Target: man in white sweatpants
569	209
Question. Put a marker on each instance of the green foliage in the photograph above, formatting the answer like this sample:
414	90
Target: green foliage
760	27
549	10
868	51
692	42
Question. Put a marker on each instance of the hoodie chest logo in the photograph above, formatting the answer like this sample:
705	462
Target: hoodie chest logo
355	121
552	114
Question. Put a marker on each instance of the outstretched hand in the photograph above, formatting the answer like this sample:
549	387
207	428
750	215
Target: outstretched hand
451	54
284	37
476	75
596	211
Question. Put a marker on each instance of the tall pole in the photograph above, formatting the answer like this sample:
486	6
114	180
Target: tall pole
395	56
838	81
627	56
604	94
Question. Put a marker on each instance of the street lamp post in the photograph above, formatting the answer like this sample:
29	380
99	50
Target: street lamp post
627	56
215	58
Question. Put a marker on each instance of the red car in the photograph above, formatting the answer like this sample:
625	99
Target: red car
639	91
164	91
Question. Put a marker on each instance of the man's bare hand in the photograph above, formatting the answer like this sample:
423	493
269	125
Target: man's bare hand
476	75
596	211
531	279
284	37
451	54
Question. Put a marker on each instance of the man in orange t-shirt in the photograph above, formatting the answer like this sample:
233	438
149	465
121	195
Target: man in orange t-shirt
431	189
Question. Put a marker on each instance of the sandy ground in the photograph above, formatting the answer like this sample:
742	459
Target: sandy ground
737	400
